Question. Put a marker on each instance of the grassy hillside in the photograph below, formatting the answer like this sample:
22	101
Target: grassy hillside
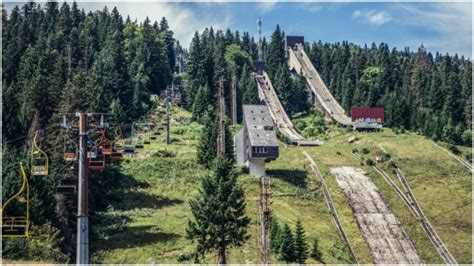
440	183
148	224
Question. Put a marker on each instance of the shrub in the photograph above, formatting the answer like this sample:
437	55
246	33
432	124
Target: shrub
355	150
386	156
42	245
364	151
454	149
164	154
392	164
369	162
468	155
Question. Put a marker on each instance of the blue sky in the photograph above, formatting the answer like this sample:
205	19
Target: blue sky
443	27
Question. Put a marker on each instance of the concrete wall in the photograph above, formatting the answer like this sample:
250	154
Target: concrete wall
257	167
239	147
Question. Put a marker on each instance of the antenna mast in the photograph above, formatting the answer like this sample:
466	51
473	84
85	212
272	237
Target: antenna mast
260	50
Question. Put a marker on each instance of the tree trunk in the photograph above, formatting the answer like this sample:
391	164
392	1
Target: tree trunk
221	256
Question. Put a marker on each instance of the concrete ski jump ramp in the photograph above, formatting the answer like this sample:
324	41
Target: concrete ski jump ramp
383	232
299	61
267	94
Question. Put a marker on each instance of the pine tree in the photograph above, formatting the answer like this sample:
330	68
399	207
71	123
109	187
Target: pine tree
276	52
219	220
301	246
315	252
339	252
275	235
249	87
287	245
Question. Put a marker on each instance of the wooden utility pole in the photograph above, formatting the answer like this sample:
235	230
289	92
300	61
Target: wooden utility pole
221	130
167	119
82	253
234	100
265	216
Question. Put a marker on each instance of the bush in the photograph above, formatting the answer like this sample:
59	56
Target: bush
42	245
364	151
386	156
163	154
355	150
392	164
454	149
369	162
467	137
468	155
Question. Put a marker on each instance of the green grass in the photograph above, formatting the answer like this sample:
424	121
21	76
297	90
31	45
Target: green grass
148	226
441	185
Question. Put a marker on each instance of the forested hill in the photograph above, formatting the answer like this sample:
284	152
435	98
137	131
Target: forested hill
59	59
419	91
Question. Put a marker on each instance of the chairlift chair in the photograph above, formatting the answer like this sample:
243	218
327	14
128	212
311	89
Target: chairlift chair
129	149
70	151
98	163
17	226
39	159
105	144
66	189
116	156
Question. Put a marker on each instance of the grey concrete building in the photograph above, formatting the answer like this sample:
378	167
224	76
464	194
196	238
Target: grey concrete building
256	143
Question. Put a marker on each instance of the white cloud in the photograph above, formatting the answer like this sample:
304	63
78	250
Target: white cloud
267	6
450	23
183	20
373	16
311	7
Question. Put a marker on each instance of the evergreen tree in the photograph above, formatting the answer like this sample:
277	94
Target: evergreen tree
315	252
219	220
301	246
169	41
275	235
339	252
276	52
287	245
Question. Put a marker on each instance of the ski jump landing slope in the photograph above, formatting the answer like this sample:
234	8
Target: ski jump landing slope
267	94
299	61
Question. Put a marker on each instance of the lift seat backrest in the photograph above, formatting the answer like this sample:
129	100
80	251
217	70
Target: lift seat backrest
66	189
116	156
97	164
14	226
70	156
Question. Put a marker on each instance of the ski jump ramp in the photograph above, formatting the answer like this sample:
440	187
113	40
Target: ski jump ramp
267	94
299	61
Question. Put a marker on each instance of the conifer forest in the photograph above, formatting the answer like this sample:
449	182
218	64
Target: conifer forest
120	144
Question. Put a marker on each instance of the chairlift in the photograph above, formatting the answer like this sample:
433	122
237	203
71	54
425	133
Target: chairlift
128	147
70	151
66	188
39	159
98	163
105	143
116	156
17	226
139	142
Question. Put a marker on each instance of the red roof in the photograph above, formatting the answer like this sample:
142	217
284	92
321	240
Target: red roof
367	112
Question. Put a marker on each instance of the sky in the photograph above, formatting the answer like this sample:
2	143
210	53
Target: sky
442	27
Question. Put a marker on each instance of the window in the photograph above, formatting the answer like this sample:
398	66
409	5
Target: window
259	150
267	128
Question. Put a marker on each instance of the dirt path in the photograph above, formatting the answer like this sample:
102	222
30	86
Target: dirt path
382	230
